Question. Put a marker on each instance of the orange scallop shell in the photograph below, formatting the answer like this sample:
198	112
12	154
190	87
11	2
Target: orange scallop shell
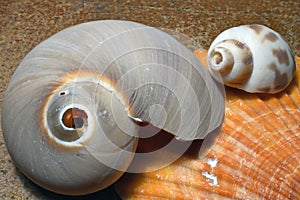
257	154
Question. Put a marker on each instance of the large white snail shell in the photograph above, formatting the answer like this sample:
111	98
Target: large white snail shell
253	58
68	109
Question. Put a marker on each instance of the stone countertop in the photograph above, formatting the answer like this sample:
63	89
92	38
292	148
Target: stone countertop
26	23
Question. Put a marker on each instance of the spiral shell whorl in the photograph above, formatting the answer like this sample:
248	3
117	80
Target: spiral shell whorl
55	154
233	60
68	109
262	61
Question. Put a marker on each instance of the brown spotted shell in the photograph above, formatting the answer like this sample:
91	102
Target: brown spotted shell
256	156
253	58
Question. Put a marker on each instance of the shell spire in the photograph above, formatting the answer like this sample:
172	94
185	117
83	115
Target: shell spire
233	60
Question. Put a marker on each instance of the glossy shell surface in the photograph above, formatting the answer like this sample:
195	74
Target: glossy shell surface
71	107
253	58
256	156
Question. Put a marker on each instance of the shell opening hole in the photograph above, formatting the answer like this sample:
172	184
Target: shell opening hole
217	58
74	118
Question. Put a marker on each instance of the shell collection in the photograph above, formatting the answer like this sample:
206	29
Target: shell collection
254	58
72	109
256	155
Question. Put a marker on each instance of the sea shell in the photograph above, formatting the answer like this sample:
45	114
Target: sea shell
256	156
254	58
70	110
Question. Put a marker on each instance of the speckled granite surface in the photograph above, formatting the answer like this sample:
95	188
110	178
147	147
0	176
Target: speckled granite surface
26	23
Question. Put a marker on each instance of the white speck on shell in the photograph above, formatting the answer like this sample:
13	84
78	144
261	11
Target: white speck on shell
212	162
212	178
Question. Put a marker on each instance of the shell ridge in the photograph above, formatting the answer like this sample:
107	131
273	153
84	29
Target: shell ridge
283	185
237	180
285	132
227	118
246	179
244	182
283	139
290	108
286	112
273	178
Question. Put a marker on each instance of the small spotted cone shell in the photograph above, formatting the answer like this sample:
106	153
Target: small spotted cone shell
256	155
